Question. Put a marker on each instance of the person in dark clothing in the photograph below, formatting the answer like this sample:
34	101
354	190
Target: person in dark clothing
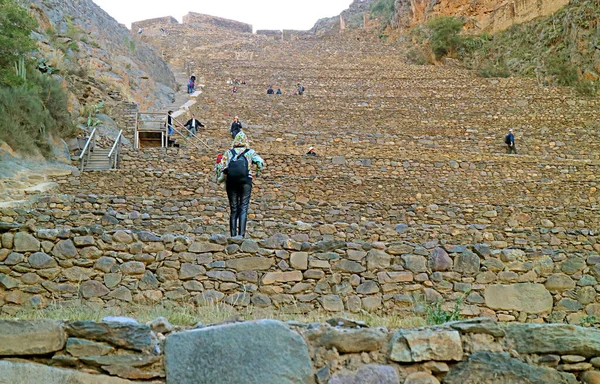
192	125
510	143
270	90
278	91
236	127
235	165
300	89
170	130
311	152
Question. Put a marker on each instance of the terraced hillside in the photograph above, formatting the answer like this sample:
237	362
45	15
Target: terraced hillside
411	193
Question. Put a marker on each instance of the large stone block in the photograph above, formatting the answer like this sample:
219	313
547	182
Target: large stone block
281	277
30	373
527	297
131	336
348	340
371	374
500	368
30	337
251	353
414	345
25	242
250	264
560	339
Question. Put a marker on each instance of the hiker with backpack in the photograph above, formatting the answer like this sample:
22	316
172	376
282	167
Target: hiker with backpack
236	127
235	170
509	140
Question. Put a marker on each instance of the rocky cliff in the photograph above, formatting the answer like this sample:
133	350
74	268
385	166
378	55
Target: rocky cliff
483	15
99	58
353	17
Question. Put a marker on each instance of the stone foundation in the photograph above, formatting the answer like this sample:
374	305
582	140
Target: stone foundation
341	351
289	273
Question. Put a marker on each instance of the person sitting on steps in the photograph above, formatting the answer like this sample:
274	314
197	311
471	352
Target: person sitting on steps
235	167
192	126
236	127
311	152
278	91
270	90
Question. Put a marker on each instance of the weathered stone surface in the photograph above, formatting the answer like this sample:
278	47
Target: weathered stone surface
371	374
30	337
205	247
30	373
131	336
377	259
64	249
559	282
500	368
421	378
299	260
93	288
483	325
348	266
250	264
40	260
439	260
273	277
467	263
561	339
25	242
252	353
81	347
348	340
8	282
530	298
332	303
414	345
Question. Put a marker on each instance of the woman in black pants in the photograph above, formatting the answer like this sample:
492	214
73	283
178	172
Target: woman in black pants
236	172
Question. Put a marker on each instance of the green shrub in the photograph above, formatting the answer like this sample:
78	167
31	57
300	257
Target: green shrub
434	314
32	112
383	8
416	55
15	30
444	36
493	70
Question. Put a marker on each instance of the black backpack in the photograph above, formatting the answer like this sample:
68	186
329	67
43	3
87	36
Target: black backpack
237	169
507	139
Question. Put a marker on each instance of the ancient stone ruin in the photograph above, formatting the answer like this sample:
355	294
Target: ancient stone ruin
411	203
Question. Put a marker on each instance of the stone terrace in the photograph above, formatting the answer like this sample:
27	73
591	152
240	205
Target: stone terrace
408	155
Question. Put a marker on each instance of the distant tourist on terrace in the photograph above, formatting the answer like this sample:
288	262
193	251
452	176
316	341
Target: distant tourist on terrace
300	89
192	125
311	152
278	91
236	127
270	91
509	140
191	85
234	90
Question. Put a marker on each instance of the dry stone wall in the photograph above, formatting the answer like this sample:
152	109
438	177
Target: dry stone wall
290	273
341	351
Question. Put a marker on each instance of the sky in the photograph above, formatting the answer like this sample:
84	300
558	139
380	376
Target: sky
262	14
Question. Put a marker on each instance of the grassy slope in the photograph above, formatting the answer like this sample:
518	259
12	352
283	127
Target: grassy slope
558	49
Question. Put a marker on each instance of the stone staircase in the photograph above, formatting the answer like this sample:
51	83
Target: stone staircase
98	160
